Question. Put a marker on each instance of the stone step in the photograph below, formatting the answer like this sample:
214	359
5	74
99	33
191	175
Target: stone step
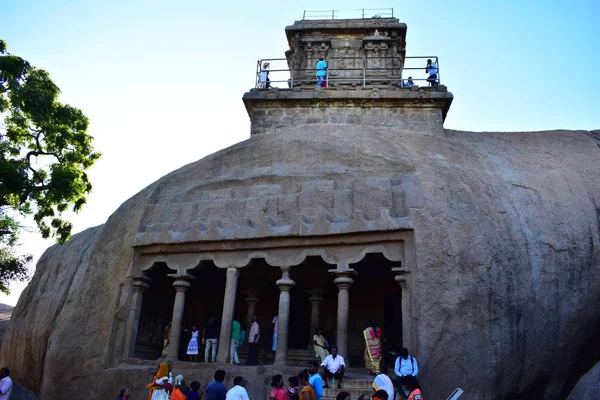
354	392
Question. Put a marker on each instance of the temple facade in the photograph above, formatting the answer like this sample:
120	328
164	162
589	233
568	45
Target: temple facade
330	252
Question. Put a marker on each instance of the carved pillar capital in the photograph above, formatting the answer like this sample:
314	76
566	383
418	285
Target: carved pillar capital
141	283
251	296
182	282
343	278
285	283
315	294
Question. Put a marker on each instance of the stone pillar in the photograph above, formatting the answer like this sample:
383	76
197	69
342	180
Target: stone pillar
343	281
227	317
251	299
285	284
182	284
140	284
406	307
315	296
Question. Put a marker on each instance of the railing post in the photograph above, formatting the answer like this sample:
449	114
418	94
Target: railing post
364	72
392	13
332	14
437	63
304	15
257	75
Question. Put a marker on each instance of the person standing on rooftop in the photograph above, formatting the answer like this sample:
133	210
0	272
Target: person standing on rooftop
321	72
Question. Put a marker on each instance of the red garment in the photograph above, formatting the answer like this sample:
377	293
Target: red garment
279	394
415	395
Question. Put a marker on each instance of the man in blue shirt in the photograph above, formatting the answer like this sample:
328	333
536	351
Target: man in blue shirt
216	390
321	73
315	379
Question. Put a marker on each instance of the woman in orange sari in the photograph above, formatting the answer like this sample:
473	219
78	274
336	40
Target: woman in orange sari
373	355
156	389
180	390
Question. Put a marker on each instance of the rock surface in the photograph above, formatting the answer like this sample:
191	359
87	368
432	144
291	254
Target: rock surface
588	387
507	281
5	314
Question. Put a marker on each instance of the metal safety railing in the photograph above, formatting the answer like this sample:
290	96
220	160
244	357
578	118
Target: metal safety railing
363	13
354	71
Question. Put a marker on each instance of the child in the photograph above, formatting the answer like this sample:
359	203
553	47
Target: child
192	349
293	393
124	394
194	394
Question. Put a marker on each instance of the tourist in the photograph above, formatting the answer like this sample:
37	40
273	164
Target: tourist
253	338
210	337
242	335
123	394
412	386
321	73
308	392
372	356
192	349
238	391
278	392
383	382
334	367
235	342
166	334
431	69
265	83
406	365
293	393
275	328
342	396
169	381
157	389
315	379
194	393
179	391
364	397
216	390
381	395
6	383
409	83
319	345
327	336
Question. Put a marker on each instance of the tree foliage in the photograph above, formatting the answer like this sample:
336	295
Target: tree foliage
45	152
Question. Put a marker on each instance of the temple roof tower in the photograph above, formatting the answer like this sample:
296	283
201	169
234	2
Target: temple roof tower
366	79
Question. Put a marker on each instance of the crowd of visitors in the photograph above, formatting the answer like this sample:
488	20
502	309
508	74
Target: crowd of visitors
307	385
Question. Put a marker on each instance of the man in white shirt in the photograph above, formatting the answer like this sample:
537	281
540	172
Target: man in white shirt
431	69
5	384
405	365
333	367
238	391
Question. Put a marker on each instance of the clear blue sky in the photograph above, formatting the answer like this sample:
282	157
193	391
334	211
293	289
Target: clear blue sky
162	81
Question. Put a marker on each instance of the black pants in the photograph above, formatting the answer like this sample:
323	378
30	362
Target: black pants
339	375
252	350
398	380
432	80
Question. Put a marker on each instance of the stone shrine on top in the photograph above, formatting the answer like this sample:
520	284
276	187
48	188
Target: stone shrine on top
365	85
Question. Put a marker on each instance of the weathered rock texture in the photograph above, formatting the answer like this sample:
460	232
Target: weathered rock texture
588	387
505	288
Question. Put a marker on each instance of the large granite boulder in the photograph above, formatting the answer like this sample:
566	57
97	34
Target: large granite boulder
505	289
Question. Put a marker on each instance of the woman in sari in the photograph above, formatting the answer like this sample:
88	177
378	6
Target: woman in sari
180	390
319	345
372	337
156	389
